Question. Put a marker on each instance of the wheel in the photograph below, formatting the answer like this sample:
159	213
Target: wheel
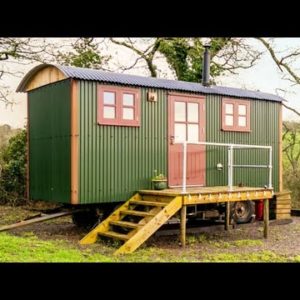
86	219
242	212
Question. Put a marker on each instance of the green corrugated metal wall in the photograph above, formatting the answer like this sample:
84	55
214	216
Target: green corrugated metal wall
264	131
49	140
116	161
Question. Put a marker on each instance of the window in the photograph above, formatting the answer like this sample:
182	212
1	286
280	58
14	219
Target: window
118	106
186	121
236	115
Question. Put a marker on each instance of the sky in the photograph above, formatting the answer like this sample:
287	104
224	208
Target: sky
264	76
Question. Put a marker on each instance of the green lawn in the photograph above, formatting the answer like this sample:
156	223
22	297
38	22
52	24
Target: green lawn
28	248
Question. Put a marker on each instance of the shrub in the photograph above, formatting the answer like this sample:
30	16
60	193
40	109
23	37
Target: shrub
13	170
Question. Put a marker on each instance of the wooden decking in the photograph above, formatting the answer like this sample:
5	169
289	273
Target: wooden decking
217	194
145	212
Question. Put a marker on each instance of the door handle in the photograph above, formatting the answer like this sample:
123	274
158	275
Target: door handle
172	139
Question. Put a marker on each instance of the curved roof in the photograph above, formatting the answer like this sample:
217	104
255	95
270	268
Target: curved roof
125	79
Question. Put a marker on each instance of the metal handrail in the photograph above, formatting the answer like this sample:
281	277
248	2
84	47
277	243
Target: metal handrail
230	160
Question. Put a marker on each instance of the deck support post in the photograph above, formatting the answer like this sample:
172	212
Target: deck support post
227	215
266	218
183	225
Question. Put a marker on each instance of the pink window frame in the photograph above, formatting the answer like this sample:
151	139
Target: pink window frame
118	120
236	103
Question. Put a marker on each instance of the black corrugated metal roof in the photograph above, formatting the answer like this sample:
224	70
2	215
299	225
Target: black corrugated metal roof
126	79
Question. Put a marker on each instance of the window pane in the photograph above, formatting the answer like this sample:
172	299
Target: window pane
128	113
108	112
242	110
109	98
193	133
242	121
128	99
229	120
180	131
193	112
229	109
180	111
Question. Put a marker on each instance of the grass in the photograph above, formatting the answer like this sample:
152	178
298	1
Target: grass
195	239
247	243
261	256
7	217
220	244
29	248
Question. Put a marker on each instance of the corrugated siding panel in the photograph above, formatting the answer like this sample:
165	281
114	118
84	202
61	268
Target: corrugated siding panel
264	131
115	161
49	138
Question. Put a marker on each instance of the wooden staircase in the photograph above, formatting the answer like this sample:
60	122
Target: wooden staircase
135	221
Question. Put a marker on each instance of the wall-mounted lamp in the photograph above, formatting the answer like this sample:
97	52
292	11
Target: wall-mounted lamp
152	96
219	167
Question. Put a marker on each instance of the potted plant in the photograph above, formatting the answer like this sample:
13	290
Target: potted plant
159	181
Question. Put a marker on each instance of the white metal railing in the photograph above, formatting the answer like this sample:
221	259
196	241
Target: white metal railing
231	147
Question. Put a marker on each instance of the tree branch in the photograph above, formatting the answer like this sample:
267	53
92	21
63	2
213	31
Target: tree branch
291	109
280	62
147	55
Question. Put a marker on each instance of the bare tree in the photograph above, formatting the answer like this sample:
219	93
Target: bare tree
286	64
18	51
291	139
184	55
83	52
147	54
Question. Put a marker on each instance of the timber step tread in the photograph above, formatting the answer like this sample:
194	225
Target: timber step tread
115	235
137	213
283	193
125	224
148	203
283	200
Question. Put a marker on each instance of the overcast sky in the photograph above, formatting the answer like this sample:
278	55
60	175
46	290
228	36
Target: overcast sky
265	76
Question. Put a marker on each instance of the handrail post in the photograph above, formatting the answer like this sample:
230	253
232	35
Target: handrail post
230	167
184	145
270	168
231	177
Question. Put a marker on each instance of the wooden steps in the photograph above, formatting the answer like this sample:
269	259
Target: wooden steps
281	206
137	213
124	224
115	235
148	203
152	213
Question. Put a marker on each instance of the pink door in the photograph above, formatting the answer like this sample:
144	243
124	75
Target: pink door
186	123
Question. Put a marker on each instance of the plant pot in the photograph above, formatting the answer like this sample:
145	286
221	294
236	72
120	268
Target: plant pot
160	184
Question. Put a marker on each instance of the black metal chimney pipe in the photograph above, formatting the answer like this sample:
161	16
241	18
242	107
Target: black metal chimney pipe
206	66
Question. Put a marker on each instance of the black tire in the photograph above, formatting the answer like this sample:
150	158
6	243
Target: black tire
86	219
243	211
